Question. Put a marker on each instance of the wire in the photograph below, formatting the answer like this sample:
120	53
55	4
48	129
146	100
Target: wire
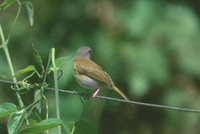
122	100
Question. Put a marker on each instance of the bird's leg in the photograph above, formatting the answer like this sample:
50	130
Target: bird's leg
95	93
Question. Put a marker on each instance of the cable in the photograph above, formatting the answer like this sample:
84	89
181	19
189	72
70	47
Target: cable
122	100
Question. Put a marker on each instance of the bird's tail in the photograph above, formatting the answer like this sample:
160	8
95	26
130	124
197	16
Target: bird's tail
119	92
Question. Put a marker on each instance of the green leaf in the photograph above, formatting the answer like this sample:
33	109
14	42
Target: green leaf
42	126
29	68
37	57
7	108
6	3
30	11
15	121
60	61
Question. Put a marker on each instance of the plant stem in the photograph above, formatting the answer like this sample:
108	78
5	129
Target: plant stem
5	48
15	20
56	87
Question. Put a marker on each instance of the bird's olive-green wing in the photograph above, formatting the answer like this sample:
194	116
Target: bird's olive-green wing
91	69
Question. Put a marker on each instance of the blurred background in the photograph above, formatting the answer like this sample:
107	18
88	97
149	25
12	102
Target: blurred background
151	49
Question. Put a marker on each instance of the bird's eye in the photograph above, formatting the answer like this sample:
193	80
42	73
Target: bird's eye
90	51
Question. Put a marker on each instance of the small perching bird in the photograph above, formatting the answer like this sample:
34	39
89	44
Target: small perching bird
90	75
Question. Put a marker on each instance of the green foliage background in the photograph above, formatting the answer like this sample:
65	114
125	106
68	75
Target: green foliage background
151	49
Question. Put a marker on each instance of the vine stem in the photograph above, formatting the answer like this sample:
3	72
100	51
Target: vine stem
5	48
56	87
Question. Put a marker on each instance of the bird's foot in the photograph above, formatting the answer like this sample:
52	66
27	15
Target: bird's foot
89	95
95	94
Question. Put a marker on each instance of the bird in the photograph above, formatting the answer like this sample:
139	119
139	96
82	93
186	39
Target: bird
90	75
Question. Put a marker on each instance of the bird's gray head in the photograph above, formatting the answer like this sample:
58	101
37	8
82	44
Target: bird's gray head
83	52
